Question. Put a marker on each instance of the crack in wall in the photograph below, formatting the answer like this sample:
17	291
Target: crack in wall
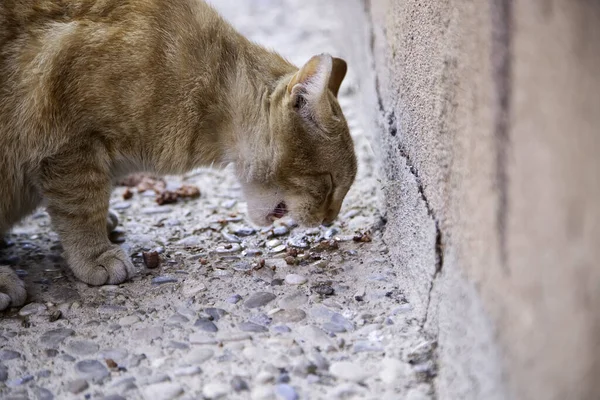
501	18
389	122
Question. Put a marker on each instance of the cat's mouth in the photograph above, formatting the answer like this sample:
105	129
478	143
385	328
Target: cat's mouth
279	211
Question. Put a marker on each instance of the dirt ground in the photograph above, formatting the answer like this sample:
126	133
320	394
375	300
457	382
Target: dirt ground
226	311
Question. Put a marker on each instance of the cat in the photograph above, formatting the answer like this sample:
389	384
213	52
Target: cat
93	90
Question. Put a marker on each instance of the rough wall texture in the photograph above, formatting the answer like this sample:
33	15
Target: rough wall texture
489	117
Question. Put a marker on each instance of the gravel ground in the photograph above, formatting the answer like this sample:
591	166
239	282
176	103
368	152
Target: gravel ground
219	309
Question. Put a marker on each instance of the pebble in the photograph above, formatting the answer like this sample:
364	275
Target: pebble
252	327
150	333
242	266
278	249
114	354
231	238
92	370
259	299
289	315
82	347
281	329
162	391
244	231
121	205
362	346
238	384
215	313
114	397
349	371
299	243
198	356
159	280
215	390
3	373
392	371
252	252
54	337
206	325
316	337
31	309
262	393
234	299
273	243
333	328
339	319
295	279
188	371
280	231
20	381
6	355
77	386
201	338
286	392
42	393
156	210
293	300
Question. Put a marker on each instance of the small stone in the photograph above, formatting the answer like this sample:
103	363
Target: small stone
77	386
273	243
54	337
159	280
198	356
234	299
262	393
238	384
82	347
286	392
259	299
293	300
6	355
202	338
20	381
215	313
42	393
129	320
281	329
242	266
289	315
215	390
324	289
91	370
162	391
3	373
54	316
45	373
114	397
295	279
245	231
349	371
366	346
280	231
299	243
206	325
333	328
231	238
114	354
177	319
51	352
278	249
391	371
150	333
188	371
32	309
252	327
339	319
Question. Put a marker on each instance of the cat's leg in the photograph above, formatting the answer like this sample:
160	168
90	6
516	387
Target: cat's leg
77	188
12	289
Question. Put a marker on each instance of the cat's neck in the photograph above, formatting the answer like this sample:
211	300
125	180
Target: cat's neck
246	140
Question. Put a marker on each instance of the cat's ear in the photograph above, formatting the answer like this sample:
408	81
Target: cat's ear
309	84
338	72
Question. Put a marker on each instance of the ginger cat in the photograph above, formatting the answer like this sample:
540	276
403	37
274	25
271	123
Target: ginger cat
92	90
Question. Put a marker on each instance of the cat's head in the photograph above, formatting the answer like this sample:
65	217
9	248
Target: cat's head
313	163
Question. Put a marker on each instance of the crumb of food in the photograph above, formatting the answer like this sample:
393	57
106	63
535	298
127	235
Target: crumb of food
151	259
127	194
362	237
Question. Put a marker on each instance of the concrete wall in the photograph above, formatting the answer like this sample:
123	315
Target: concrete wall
489	122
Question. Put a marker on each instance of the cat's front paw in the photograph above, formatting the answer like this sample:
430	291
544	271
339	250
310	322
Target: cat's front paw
110	268
12	289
